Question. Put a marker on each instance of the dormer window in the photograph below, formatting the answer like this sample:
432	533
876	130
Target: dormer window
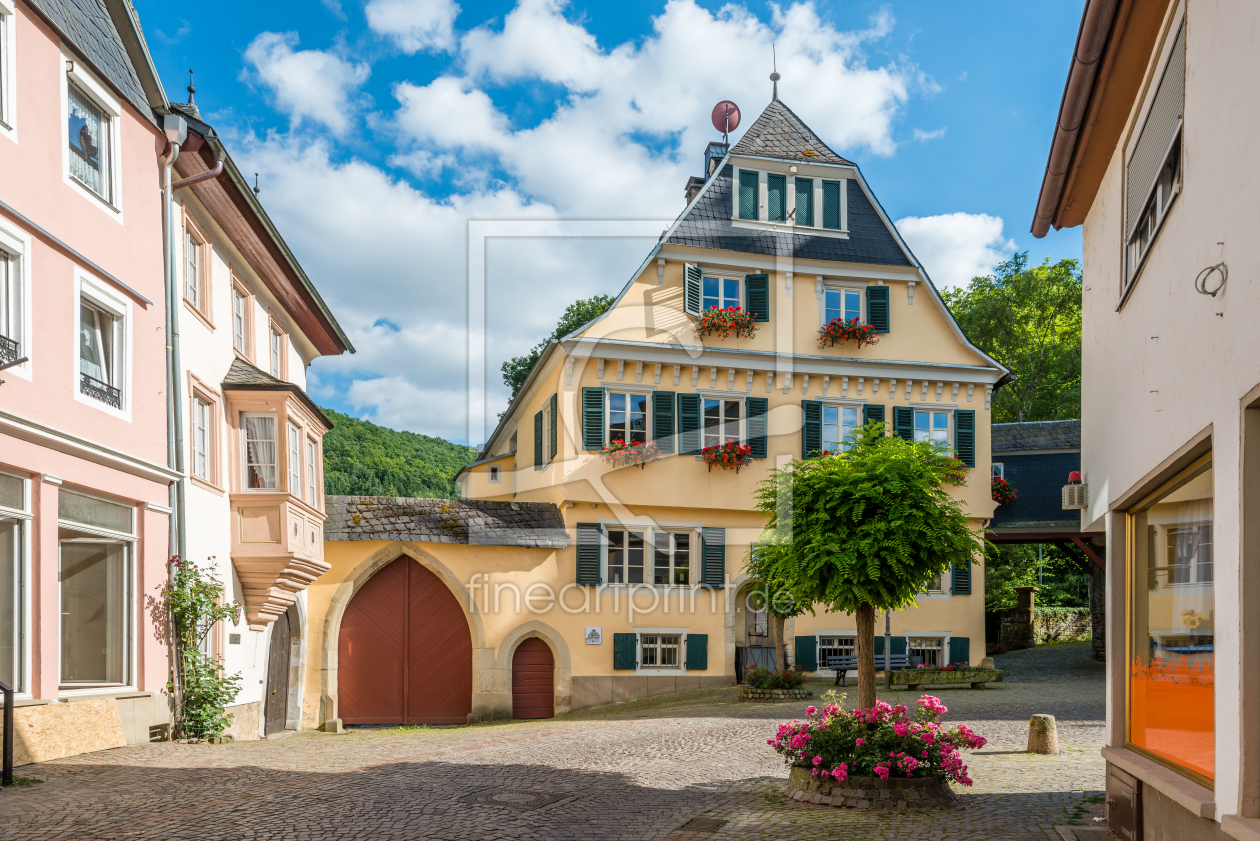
799	200
721	293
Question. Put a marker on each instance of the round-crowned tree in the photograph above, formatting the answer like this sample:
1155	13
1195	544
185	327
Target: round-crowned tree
864	530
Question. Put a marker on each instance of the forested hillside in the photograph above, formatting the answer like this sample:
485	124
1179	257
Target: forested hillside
362	458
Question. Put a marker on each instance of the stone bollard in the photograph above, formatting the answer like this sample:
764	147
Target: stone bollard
1042	735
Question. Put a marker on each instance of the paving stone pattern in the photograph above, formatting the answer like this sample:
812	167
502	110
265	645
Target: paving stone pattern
638	770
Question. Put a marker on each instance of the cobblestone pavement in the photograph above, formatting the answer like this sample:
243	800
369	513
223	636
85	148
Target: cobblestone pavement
639	770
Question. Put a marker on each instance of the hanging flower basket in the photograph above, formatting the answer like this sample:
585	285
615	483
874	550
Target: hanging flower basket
838	331
724	323
955	472
620	454
1002	491
729	456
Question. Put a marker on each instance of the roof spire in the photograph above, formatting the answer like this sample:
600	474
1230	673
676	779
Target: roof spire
191	89
774	77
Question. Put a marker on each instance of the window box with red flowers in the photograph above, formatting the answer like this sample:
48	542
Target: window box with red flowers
838	331
725	323
1002	491
620	454
729	456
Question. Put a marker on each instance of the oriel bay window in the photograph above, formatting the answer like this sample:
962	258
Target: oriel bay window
258	436
96	540
294	460
1172	610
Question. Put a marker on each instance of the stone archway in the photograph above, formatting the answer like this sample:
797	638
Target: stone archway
559	650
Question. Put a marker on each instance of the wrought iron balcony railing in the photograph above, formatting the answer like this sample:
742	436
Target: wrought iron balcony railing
8	349
98	390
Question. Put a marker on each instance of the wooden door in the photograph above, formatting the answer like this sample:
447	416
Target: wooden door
533	680
278	676
404	654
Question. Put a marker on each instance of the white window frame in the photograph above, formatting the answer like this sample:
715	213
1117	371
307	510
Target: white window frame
721	278
97	294
738	397
22	608
680	669
841	404
293	458
312	472
946	591
692	556
815	174
129	539
819	636
929	635
73	70
649	530
244	451
999	469
203	426
949	422
645	393
494	475
1156	206
841	286
17	244
8	71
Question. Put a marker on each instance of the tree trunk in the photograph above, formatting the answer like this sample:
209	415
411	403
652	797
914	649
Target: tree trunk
1098	610
866	655
780	650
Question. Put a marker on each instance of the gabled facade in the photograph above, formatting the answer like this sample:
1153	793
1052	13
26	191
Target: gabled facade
650	595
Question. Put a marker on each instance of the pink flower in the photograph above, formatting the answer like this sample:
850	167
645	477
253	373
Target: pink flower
861	742
810	710
818	760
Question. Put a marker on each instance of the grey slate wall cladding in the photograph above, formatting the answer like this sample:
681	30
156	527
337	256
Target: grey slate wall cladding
1037	435
476	522
91	31
708	225
1038	481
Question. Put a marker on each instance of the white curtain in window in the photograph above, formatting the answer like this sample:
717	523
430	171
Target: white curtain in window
89	132
94	613
260	452
96	344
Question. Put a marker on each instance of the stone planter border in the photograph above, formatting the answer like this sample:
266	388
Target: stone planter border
871	792
914	678
773	695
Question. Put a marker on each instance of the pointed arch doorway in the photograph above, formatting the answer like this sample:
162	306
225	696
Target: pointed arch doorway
404	652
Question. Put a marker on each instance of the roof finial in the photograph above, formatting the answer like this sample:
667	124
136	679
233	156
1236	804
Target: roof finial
255	183
774	77
191	89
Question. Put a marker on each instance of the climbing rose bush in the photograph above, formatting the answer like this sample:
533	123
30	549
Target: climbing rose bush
884	741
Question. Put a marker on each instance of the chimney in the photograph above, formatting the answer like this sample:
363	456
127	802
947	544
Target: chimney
713	156
694	184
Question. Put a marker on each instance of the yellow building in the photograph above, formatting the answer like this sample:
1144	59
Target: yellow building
645	592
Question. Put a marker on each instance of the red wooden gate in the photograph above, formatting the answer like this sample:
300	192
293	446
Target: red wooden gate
533	680
404	654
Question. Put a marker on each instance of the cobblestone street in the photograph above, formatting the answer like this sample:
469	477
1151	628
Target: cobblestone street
639	770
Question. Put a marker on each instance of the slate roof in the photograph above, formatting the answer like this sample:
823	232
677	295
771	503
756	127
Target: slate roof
779	133
1038	435
86	24
708	225
474	522
242	376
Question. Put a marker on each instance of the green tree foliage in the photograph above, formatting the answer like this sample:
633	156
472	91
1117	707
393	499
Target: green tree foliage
868	529
1059	580
1029	319
516	370
202	690
364	459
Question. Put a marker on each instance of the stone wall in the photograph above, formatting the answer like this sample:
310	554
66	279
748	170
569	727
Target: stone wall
245	721
591	690
1059	624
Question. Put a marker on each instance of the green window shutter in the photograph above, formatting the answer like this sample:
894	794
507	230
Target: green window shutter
872	412
811	429
960	649
554	444
879	651
965	436
755	410
748	186
903	422
831	205
961	580
807	653
776	198
589	536
538	442
713	546
689	433
805	202
625	655
691	289
757	296
877	308
592	418
899	646
663	420
697	652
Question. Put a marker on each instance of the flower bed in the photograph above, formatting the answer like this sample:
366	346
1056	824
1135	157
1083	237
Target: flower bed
759	677
1002	491
936	676
729	456
620	454
774	695
885	743
870	792
724	323
838	331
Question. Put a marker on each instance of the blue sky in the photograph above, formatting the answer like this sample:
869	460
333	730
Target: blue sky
380	128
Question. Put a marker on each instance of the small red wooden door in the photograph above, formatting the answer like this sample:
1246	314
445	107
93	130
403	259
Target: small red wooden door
533	680
404	654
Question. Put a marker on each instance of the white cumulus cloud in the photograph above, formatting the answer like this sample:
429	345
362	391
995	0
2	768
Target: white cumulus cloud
955	247
414	25
305	84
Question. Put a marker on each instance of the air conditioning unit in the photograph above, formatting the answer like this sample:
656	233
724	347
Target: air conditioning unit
1075	493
